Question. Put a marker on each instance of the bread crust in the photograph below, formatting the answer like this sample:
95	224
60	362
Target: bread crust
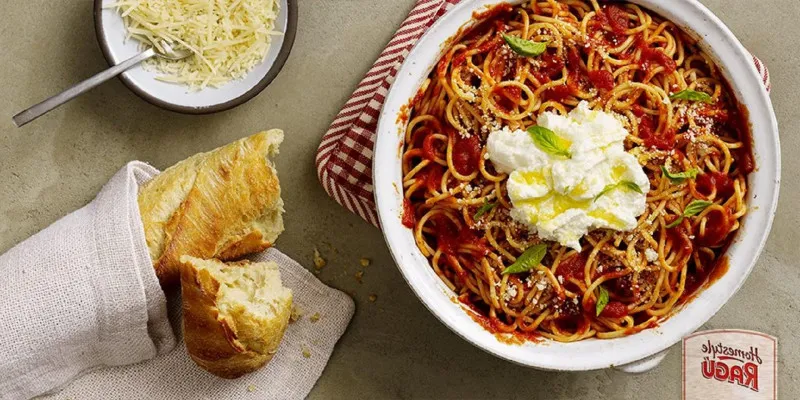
222	204
214	341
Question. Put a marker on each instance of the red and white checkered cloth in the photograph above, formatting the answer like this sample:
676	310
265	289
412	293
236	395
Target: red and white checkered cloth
344	157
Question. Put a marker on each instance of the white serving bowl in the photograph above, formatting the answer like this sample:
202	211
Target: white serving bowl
634	353
111	37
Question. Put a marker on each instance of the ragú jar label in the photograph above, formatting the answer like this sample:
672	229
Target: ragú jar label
730	364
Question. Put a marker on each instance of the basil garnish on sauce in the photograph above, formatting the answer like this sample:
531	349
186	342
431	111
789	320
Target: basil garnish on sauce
678	177
485	208
602	300
630	185
549	142
694	208
528	260
691	95
525	47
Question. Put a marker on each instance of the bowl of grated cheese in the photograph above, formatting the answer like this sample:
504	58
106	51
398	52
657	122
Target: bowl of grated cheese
238	47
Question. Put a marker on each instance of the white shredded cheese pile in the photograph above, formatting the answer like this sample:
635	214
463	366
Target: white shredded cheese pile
228	37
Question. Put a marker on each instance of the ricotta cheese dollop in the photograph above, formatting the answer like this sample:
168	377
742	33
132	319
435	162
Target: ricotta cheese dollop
563	198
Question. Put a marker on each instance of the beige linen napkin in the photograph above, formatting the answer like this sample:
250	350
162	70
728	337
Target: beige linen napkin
82	295
303	354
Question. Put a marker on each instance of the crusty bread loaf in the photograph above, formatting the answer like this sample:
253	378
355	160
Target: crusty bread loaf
234	315
223	204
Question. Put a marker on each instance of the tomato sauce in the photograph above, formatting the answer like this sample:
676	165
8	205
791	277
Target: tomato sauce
621	286
501	26
573	266
500	68
507	97
707	183
569	309
647	131
449	237
466	153
405	112
550	65
602	79
459	59
614	309
493	11
409	218
441	67
617	18
680	237
577	78
698	279
637	329
489	45
428	149
433	178
717	227
557	93
612	22
739	123
495	326
652	56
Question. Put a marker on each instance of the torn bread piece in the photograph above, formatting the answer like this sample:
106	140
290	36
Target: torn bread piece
222	204
234	314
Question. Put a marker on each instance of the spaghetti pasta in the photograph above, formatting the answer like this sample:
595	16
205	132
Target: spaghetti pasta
686	130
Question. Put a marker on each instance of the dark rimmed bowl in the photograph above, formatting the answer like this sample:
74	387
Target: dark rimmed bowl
111	33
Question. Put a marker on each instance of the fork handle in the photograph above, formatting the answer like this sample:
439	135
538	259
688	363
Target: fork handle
42	108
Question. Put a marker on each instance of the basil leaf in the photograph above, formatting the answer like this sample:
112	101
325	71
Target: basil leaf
525	47
528	260
602	300
605	191
485	208
676	222
630	185
678	177
696	207
691	95
549	142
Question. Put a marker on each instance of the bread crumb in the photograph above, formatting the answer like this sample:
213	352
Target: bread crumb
373	297
364	262
360	276
319	262
297	313
251	388
315	317
306	352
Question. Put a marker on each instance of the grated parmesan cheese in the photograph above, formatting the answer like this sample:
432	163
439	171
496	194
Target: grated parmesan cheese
651	255
510	294
227	37
542	285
